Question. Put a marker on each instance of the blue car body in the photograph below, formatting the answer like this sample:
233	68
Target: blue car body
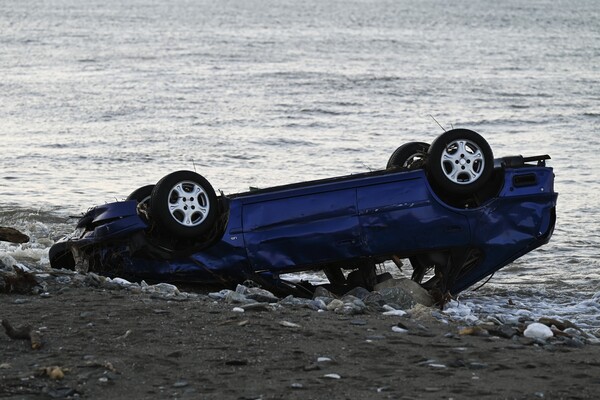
341	222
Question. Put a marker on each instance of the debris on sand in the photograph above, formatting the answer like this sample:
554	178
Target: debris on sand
23	332
17	281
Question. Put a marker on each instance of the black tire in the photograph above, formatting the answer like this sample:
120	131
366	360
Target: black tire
61	256
460	161
184	204
142	195
410	155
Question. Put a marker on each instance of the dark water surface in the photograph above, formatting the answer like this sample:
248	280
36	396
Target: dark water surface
98	98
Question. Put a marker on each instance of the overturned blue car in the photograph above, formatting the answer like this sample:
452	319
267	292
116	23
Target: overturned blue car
454	211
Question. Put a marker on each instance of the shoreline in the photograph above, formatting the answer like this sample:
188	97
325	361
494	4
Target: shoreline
111	342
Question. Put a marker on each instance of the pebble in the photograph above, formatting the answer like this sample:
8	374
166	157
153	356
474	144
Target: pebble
320	291
121	282
289	324
256	307
261	295
218	295
235	297
332	376
256	293
397	329
358	292
317	304
536	330
294	301
504	331
437	366
238	309
397	313
335	304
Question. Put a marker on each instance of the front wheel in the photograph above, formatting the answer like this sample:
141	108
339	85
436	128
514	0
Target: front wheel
142	195
184	204
410	155
460	161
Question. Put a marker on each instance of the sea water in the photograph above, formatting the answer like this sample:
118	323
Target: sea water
98	98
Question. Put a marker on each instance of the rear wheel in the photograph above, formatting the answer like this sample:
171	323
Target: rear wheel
184	204
460	161
142	195
410	155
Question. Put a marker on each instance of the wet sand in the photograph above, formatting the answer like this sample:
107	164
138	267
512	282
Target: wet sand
114	344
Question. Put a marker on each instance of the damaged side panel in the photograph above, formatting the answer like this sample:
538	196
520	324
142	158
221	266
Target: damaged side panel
390	213
302	229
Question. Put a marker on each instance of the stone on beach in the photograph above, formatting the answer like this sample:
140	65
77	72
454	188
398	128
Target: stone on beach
8	234
536	330
404	293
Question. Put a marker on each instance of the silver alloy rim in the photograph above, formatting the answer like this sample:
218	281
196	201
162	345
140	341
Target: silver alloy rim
188	203
462	162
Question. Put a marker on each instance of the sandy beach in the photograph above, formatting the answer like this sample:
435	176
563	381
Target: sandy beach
112	343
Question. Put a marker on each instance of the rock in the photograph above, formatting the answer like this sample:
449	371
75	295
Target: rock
473	331
404	292
121	282
12	235
358	292
572	342
317	304
61	393
294	301
256	307
261	295
335	304
94	280
237	298
397	313
164	291
561	325
289	324
536	330
20	281
320	291
54	372
503	331
375	300
220	295
256	293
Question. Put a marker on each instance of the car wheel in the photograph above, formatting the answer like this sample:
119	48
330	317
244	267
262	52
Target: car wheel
460	161
142	195
409	156
184	204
